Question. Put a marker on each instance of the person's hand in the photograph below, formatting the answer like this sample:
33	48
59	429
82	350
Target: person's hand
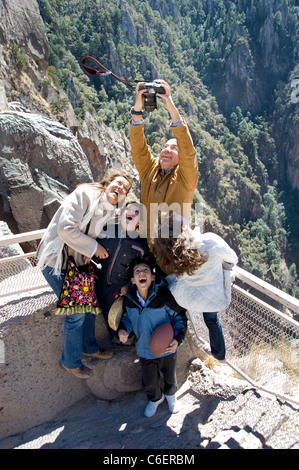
167	95
101	252
172	346
227	266
168	102
123	336
139	99
123	290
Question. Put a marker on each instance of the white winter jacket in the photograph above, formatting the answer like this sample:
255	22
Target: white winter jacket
209	288
68	225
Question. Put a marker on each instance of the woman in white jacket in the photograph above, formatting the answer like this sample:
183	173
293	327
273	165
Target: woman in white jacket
77	223
198	268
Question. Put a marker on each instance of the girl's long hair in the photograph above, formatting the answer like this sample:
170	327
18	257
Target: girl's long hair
176	254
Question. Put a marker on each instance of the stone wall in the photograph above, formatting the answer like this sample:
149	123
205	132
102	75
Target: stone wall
34	388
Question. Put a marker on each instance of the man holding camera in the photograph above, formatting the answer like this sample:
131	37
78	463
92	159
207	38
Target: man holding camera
172	178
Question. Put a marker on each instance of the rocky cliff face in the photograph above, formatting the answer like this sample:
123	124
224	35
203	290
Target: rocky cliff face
260	56
41	162
21	23
42	159
287	124
262	59
55	152
23	44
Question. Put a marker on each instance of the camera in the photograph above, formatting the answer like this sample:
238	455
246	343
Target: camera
150	96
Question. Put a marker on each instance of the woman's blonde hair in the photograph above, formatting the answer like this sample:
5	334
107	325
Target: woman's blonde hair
108	178
112	175
176	253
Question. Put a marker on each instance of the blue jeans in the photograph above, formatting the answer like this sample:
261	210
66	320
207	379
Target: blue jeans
79	328
217	342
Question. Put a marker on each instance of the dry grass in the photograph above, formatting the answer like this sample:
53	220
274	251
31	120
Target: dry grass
276	367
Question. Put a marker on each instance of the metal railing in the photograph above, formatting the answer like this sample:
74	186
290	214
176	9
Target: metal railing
262	340
19	273
262	337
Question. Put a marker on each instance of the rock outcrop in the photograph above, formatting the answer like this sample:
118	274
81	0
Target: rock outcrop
244	84
23	25
42	161
44	153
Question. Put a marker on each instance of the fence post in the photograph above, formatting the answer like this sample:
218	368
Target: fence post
2	352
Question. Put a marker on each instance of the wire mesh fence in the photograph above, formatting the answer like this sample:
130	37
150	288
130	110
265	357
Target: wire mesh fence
23	288
20	274
261	343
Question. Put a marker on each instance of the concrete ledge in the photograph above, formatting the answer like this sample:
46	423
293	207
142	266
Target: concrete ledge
34	388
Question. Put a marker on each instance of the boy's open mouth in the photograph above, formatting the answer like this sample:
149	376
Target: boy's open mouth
142	281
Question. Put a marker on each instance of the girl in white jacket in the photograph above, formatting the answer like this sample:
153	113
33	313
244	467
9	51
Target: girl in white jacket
77	223
198	268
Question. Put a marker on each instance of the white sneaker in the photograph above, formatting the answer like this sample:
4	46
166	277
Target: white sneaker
152	406
207	349
172	403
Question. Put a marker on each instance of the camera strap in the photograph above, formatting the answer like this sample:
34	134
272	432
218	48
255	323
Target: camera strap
93	67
